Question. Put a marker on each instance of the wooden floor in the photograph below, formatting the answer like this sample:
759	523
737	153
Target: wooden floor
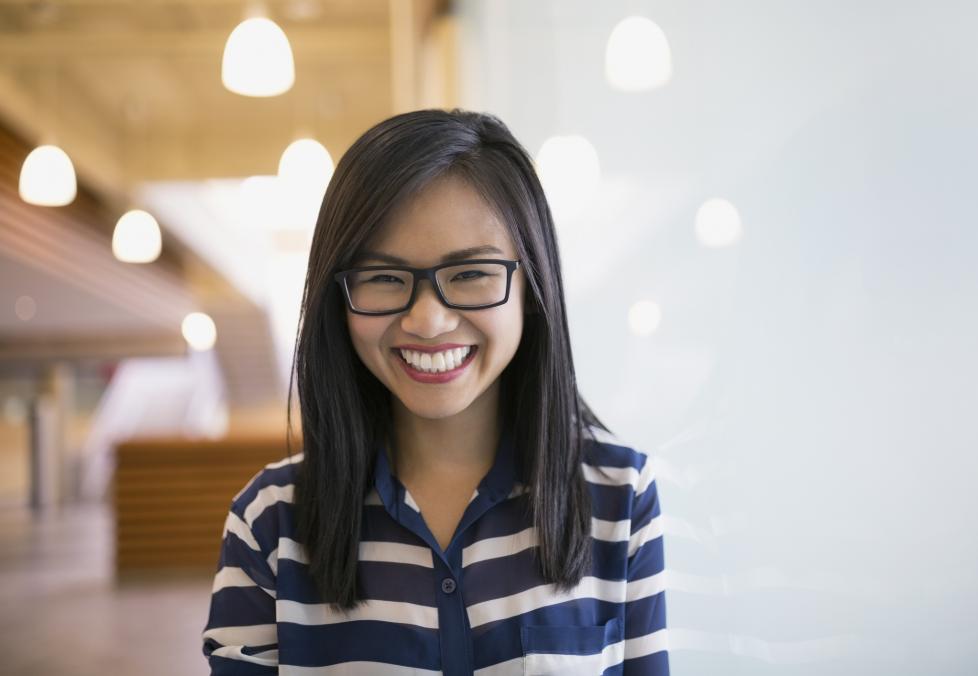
61	612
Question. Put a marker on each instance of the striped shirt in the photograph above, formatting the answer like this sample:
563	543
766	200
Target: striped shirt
479	607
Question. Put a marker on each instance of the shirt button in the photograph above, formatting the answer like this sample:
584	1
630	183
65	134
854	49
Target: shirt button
448	585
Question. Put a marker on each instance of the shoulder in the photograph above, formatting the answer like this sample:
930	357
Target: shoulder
271	487
611	460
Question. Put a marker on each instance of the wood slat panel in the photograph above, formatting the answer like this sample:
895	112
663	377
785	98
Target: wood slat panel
171	498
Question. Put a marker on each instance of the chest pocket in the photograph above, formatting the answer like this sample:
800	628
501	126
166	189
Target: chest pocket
571	650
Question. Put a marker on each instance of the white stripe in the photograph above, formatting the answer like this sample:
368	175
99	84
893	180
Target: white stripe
645	586
475	494
544	595
507	545
382	611
646	645
292	550
357	669
286	461
610	476
646	476
232	576
266	497
395	552
647	533
234	524
574	665
409	501
610	531
518	489
504	545
254	634
513	667
269	658
247	486
373	498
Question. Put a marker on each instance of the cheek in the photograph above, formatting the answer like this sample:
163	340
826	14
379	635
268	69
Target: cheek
505	329
365	334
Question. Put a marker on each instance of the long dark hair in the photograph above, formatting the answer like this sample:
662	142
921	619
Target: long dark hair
346	410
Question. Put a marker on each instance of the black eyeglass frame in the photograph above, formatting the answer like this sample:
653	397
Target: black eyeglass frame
429	274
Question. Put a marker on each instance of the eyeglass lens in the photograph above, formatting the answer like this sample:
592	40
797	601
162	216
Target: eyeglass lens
470	284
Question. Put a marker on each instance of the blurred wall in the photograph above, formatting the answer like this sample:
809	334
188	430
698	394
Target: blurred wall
807	392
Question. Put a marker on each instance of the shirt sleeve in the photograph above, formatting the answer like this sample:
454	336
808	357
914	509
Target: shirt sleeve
645	607
241	637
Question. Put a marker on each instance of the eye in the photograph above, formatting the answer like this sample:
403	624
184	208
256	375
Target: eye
384	279
470	274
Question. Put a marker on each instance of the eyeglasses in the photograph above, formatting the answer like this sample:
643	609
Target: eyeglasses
388	289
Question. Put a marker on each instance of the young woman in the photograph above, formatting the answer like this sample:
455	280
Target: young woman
457	508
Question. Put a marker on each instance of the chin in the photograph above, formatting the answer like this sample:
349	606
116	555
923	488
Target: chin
432	410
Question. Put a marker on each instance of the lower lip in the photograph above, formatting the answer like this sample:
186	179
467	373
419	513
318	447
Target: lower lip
423	377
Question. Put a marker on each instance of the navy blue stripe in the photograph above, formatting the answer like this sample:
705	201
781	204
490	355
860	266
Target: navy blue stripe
656	663
222	666
646	614
239	605
361	640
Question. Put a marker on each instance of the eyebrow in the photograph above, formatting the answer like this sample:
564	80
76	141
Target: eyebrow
459	255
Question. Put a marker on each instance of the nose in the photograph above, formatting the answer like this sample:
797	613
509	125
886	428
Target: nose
428	318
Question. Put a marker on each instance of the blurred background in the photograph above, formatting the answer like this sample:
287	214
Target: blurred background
771	275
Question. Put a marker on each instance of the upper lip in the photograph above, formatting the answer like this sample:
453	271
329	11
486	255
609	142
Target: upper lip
430	348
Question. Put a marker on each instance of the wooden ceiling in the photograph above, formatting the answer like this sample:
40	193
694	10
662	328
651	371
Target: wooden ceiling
131	89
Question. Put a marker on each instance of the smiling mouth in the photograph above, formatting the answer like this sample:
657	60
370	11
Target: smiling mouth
473	349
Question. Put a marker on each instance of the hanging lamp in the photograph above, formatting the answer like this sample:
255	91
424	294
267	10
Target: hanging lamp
47	177
137	237
258	58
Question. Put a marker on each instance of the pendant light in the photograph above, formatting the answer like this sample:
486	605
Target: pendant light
258	58
137	237
637	56
199	331
304	171
306	162
570	172
47	177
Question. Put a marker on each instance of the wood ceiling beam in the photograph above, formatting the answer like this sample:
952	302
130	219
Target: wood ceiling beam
30	352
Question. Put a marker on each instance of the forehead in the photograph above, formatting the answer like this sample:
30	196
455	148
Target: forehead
448	215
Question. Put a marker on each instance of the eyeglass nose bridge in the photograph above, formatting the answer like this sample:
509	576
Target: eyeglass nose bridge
418	276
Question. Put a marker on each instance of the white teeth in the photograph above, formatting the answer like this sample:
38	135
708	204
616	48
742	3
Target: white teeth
437	362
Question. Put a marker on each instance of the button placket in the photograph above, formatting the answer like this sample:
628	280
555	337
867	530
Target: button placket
453	624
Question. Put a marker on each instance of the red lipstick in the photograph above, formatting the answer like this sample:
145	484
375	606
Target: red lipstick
435	378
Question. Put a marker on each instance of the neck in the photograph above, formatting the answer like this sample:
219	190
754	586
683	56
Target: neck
460	445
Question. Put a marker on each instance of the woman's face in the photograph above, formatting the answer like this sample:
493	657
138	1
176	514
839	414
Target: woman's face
447	216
